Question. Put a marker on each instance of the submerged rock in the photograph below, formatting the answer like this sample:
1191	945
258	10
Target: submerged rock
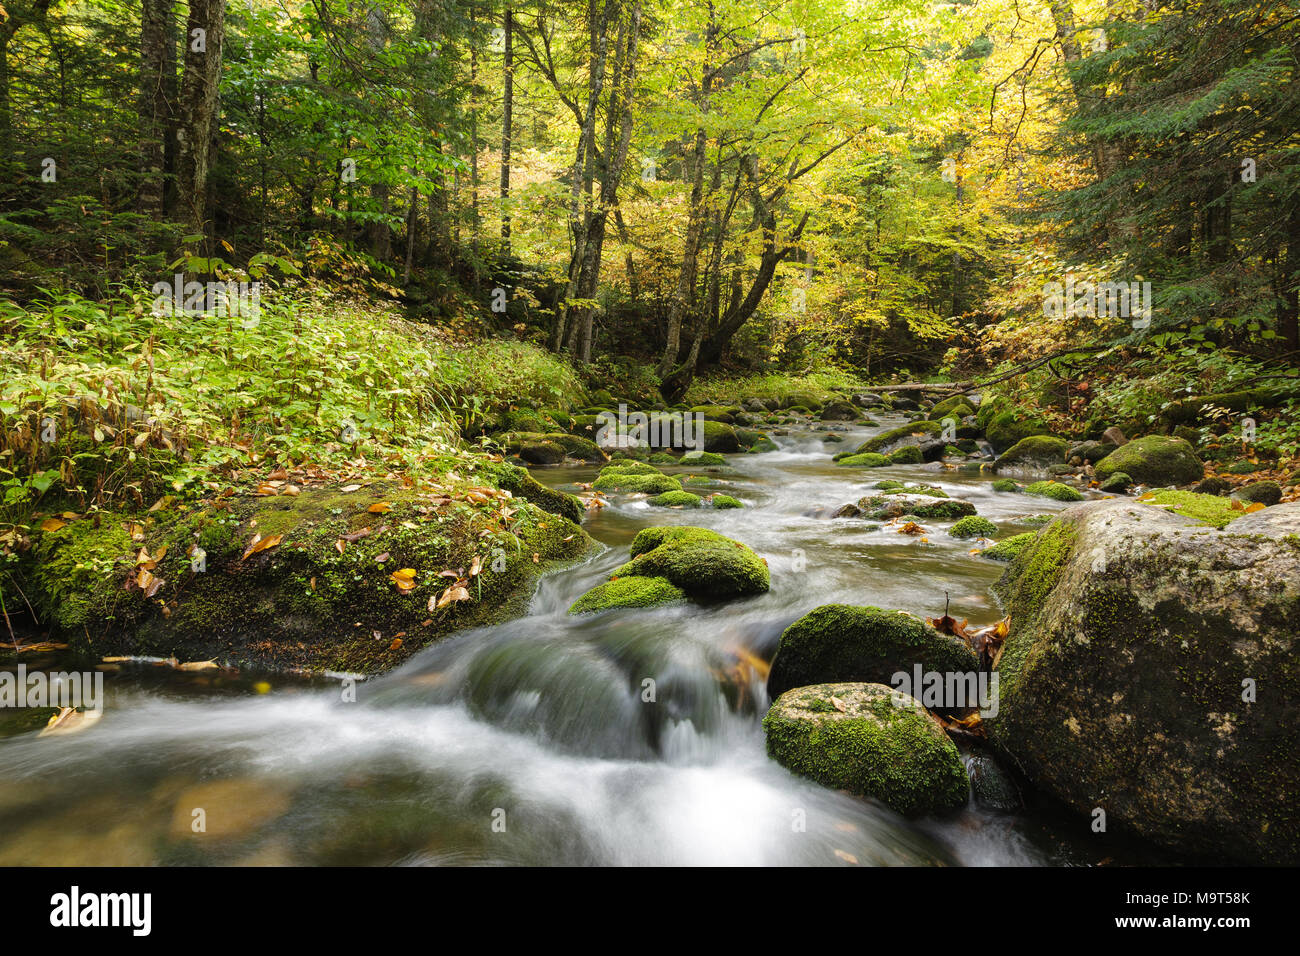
837	643
883	744
1150	672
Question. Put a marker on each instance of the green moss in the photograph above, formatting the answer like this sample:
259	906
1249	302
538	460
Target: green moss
1261	492
521	484
885	746
1008	548
1117	483
886	506
636	478
630	468
1154	460
725	501
630	591
1009	427
1034	450
1054	490
865	460
676	499
1005	484
885	440
702	563
1036	520
908	455
1210	510
720	437
956	407
698	458
973	526
842	642
79	572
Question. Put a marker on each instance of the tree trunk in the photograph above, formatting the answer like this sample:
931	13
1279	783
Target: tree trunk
204	37
157	84
507	117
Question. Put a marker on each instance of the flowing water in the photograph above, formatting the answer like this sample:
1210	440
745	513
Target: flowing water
532	742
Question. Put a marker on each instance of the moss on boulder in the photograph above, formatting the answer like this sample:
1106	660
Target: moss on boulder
632	591
973	526
320	596
703	563
839	642
1154	460
883	745
676	499
1054	490
1008	548
866	460
884	507
903	435
1032	454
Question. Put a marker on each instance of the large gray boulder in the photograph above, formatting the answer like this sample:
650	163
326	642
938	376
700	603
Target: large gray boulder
1152	671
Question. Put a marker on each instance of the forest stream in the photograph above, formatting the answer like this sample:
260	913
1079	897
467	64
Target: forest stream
532	742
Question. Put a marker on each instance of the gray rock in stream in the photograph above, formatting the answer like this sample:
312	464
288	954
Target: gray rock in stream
1151	672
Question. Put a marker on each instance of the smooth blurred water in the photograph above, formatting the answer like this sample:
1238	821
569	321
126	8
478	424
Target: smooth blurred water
530	742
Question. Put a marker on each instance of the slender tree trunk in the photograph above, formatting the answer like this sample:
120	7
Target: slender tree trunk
507	117
199	105
157	76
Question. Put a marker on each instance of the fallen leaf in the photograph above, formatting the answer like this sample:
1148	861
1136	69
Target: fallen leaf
261	544
380	508
70	721
404	579
53	524
211	665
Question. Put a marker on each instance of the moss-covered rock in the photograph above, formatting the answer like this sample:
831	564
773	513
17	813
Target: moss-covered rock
973	526
884	507
838	411
700	458
1005	485
715	413
1261	492
883	745
320	595
632	591
703	563
838	643
1008	548
1118	483
521	484
717	436
635	478
1122	679
896	438
1211	510
676	499
725	501
1154	460
805	400
866	460
1054	490
1032	454
1009	427
908	455
956	407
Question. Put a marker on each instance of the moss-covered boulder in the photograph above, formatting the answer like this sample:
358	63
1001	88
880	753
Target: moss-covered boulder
1005	485
700	458
1008	548
837	643
956	407
675	499
1150	670
1154	460
866	460
632	591
1261	492
1117	483
884	507
305	580
907	455
703	563
1031	455
805	400
754	441
900	437
521	484
882	744
973	526
1054	490
1007	428
635	478
715	413
839	411
723	502
720	437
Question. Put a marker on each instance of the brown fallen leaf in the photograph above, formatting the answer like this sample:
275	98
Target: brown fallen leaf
211	665
380	508
453	593
52	524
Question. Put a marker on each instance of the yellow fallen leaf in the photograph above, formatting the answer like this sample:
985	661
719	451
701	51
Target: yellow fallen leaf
53	524
380	508
350	488
404	579
70	721
450	595
261	544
